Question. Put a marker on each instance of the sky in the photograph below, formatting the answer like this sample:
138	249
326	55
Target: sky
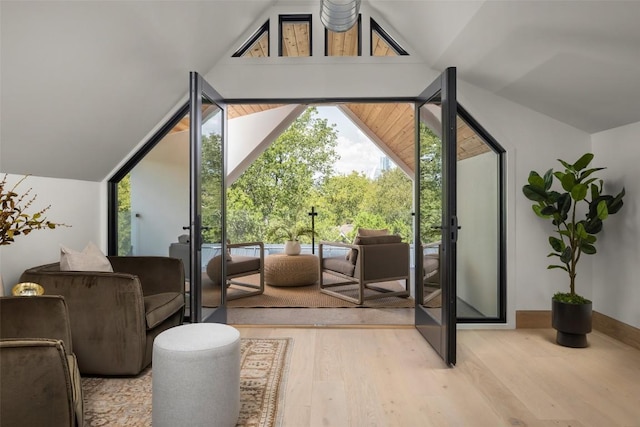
356	151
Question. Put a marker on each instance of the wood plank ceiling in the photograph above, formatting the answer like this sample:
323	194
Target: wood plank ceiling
392	124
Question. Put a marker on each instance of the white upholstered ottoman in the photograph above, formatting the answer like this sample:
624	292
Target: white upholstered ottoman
196	376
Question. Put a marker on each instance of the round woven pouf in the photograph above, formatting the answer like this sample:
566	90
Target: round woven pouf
291	270
196	376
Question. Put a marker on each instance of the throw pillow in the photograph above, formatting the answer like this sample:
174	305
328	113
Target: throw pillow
90	259
364	232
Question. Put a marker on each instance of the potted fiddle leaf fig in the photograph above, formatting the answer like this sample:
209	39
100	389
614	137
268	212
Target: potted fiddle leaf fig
577	208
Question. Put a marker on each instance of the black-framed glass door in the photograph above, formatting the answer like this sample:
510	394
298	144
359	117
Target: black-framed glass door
207	200
436	229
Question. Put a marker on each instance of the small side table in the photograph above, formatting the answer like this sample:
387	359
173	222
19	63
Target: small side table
291	270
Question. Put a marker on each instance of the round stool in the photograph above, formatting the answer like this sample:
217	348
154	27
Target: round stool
291	270
196	376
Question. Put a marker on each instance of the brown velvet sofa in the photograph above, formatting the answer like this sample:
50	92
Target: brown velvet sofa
116	316
39	380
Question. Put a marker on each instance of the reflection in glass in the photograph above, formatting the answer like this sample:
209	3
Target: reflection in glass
431	197
211	201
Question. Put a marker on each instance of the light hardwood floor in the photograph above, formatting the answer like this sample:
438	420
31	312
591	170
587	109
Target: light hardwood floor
392	377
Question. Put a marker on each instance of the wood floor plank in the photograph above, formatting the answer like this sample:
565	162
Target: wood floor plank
392	377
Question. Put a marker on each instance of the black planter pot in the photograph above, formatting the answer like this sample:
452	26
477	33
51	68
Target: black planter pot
573	323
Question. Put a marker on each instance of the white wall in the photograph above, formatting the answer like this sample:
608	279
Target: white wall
616	266
81	204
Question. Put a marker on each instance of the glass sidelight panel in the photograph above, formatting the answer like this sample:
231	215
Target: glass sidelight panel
211	203
480	282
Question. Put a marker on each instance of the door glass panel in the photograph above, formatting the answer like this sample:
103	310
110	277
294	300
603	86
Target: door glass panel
431	199
211	205
478	247
436	222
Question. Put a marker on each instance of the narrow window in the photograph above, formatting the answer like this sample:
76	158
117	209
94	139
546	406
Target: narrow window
382	44
346	43
295	35
257	46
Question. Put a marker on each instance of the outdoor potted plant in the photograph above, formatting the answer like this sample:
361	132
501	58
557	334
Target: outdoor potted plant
580	194
291	235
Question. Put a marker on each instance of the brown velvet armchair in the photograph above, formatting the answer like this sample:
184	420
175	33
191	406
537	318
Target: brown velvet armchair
370	261
39	380
116	316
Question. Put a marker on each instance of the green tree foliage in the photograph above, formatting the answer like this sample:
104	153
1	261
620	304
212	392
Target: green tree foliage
391	199
281	182
430	184
124	216
211	183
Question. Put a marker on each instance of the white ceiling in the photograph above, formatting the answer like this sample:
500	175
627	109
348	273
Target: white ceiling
81	83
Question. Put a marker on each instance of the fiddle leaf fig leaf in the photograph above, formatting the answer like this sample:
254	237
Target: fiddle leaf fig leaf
579	192
536	180
616	203
568	181
583	162
556	244
566	255
587	248
538	210
548	179
562	267
588	172
537	194
603	210
566	165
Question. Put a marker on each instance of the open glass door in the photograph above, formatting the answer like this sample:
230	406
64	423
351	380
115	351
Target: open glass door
436	227
207	224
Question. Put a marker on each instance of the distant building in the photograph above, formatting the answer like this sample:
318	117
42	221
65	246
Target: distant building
385	165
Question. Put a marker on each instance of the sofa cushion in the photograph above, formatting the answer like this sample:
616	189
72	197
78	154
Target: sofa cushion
159	307
90	258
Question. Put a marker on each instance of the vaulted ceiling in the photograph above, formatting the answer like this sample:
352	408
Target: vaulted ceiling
82	83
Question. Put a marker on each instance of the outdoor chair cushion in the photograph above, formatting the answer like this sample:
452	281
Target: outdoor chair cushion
237	265
339	265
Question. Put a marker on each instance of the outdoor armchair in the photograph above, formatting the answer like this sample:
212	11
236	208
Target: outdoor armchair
115	316
371	260
239	266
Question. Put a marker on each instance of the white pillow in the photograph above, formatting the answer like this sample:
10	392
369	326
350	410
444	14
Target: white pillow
90	259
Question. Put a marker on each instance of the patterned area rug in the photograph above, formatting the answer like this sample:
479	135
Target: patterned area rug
263	368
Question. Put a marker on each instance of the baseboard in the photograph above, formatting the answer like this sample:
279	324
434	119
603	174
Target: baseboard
530	319
617	329
533	319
